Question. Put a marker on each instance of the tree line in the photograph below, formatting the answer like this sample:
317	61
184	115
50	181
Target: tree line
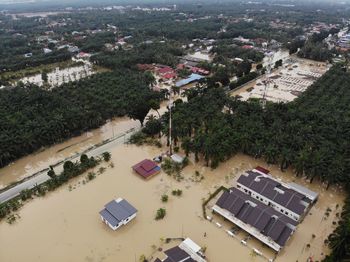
309	135
31	118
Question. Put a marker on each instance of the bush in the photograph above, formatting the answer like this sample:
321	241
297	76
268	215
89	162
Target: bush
138	138
161	212
106	156
177	192
84	159
51	173
91	175
165	198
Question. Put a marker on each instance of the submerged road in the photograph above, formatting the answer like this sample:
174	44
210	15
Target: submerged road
42	176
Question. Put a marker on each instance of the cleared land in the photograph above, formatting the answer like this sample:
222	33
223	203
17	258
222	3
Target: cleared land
286	83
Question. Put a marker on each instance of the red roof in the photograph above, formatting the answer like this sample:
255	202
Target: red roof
199	70
146	168
247	47
180	66
262	170
165	70
170	75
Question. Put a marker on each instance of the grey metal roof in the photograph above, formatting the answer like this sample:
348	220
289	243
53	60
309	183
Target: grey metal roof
114	211
108	216
176	254
265	186
268	221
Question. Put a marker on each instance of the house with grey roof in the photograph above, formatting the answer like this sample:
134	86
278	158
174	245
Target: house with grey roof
259	220
291	199
187	251
118	212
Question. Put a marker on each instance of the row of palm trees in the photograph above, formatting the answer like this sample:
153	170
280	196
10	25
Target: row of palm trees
31	118
310	135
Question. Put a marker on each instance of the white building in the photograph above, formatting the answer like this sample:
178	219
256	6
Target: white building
118	212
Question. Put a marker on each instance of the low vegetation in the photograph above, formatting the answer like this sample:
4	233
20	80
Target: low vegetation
70	170
161	212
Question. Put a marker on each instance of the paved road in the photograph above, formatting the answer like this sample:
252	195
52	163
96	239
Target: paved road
42	176
28	184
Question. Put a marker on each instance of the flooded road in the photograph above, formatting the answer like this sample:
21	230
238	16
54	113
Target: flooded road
65	224
33	163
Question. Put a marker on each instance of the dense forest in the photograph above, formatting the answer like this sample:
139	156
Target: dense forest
31	117
310	135
162	53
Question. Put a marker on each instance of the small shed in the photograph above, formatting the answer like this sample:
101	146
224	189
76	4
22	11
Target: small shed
146	168
176	158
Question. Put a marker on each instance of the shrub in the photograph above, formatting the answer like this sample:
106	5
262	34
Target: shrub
91	175
177	192
106	156
84	159
165	198
138	138
51	173
161	212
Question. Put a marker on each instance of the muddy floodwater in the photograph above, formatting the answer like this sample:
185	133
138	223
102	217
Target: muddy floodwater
40	160
65	224
29	165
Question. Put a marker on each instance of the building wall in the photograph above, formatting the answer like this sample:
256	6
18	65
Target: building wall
124	222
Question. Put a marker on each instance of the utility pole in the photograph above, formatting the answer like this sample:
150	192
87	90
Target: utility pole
170	123
267	77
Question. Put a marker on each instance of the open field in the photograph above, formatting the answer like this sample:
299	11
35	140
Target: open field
286	83
65	225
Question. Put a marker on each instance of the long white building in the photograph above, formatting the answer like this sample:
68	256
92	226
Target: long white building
292	200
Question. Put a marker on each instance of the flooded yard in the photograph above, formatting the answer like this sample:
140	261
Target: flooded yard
65	225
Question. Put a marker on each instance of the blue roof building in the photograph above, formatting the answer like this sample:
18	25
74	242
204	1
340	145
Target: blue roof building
118	212
188	80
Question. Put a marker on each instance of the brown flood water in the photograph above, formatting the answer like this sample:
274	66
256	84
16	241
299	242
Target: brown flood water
29	165
65	225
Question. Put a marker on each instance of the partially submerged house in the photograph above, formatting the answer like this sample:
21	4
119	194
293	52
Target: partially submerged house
187	251
291	199
146	168
259	220
118	212
265	207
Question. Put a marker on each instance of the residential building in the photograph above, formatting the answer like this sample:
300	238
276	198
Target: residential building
290	199
146	168
259	220
118	212
187	251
